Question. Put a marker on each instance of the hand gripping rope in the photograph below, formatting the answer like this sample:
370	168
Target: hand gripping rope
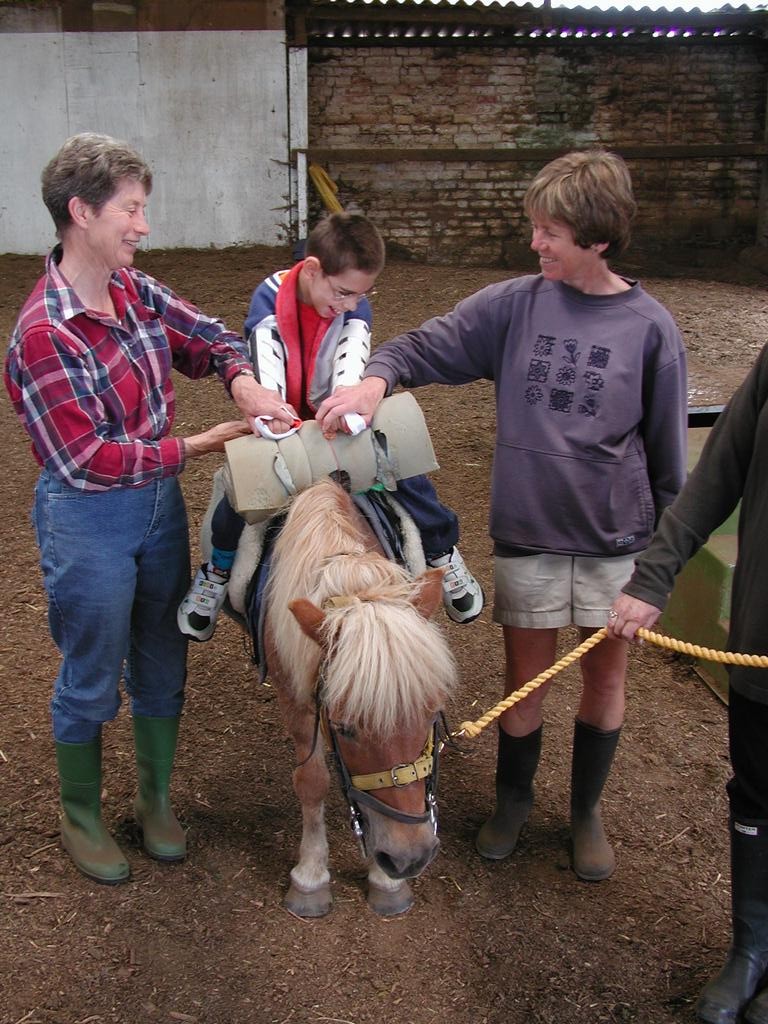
473	729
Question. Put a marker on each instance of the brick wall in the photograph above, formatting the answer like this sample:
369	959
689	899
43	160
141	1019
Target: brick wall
618	94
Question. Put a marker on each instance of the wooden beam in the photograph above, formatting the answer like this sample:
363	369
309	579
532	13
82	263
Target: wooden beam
391	155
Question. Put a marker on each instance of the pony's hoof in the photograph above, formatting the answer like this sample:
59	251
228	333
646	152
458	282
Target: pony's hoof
308	904
390	902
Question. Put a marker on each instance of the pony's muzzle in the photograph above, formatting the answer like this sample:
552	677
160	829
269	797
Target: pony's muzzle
410	862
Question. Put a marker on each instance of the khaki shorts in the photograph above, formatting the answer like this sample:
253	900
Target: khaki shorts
549	591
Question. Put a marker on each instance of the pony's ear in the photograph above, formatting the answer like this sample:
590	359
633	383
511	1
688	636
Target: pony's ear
309	617
428	595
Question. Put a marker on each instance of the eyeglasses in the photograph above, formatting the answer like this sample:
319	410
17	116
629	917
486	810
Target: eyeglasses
344	295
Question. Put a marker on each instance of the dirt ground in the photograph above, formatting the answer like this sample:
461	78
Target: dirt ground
486	943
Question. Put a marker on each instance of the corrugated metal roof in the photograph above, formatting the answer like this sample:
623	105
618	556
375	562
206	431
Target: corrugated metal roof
496	22
682	6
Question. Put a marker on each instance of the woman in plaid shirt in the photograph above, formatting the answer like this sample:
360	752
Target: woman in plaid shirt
89	374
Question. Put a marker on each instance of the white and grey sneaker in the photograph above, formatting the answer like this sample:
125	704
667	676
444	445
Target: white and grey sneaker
199	610
462	595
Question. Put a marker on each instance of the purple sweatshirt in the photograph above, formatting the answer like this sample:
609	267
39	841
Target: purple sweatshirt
591	403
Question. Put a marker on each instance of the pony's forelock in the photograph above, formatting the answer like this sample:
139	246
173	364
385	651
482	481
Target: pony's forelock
389	666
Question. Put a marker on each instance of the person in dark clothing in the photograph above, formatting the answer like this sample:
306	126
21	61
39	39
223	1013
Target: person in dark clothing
733	467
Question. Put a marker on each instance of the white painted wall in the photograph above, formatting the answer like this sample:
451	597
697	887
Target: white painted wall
207	110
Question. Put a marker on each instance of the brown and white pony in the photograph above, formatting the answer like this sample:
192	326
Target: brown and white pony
356	660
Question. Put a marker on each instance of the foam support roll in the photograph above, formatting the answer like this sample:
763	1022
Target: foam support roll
262	474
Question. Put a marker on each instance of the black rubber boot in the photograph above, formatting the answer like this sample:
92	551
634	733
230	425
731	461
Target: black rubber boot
155	740
83	834
724	998
757	1011
592	857
516	763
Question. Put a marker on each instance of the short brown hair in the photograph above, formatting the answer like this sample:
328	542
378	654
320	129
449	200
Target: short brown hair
347	241
91	167
591	192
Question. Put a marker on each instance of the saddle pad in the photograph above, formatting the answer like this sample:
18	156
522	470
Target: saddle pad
254	595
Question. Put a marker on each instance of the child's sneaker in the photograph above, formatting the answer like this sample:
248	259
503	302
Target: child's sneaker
198	611
462	595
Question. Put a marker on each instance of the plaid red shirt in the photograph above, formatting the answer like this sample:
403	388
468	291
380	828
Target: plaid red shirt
95	395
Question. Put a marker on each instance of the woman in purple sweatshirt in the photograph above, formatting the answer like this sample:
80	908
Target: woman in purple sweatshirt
591	403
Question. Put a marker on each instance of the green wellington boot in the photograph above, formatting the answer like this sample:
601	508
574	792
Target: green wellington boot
517	759
593	751
155	739
83	834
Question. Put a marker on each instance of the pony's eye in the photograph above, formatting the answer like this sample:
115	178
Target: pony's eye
347	731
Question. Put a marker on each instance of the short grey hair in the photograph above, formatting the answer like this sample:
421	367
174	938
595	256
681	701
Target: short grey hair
91	167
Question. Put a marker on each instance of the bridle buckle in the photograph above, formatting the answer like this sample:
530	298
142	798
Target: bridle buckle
399	767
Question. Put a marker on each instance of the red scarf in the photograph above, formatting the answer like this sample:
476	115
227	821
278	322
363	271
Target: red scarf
302	329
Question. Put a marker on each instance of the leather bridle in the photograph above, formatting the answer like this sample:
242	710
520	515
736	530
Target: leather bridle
357	788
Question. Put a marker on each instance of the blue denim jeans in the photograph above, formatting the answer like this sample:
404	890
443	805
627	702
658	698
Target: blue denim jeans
437	524
115	566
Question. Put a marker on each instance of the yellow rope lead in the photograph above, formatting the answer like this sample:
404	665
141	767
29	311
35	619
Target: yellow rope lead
724	657
473	729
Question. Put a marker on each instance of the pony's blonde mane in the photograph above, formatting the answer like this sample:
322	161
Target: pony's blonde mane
388	665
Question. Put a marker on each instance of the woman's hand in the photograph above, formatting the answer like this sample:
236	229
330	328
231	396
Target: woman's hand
629	614
213	440
253	399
